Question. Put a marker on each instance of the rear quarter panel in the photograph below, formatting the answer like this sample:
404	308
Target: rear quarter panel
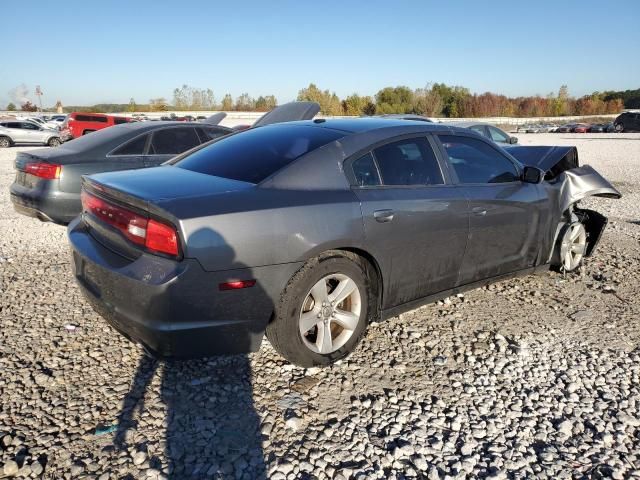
268	227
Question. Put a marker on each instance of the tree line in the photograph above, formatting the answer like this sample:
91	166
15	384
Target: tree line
434	100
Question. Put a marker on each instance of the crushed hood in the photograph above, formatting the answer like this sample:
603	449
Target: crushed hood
553	160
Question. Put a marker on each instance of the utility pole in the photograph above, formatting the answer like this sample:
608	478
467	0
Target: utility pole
39	94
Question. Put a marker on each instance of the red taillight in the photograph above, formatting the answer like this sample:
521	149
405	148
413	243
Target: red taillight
154	235
236	284
48	171
161	238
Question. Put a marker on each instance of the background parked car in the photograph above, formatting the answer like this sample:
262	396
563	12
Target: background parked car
602	128
627	122
27	133
566	128
47	184
487	131
78	124
581	128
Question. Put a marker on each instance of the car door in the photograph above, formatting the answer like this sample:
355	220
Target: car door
31	132
415	221
506	214
168	142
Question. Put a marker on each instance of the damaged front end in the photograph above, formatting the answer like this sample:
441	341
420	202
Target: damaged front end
567	183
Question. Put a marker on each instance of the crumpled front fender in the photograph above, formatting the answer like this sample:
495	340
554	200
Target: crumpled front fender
582	182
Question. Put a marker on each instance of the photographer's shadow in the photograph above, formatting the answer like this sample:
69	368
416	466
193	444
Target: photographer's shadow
211	428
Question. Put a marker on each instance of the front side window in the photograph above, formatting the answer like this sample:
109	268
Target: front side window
365	171
408	162
476	162
29	126
498	135
133	147
171	141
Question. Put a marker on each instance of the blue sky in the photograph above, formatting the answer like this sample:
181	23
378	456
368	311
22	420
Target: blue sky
88	52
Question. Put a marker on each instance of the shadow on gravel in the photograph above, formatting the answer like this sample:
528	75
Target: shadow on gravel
211	428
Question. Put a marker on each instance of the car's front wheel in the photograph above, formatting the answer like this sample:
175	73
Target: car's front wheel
5	142
572	246
619	127
54	142
323	311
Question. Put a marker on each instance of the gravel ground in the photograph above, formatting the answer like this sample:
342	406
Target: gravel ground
537	377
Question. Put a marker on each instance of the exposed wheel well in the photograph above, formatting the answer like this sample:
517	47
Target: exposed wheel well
373	269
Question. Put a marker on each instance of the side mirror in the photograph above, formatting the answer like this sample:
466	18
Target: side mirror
513	140
532	175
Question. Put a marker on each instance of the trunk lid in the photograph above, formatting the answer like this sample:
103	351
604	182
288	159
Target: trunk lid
553	160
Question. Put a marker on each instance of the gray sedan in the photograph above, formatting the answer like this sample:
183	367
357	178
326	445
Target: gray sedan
25	132
310	230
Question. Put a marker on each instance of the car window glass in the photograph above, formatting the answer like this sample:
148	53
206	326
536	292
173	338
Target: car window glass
253	155
14	125
408	162
29	126
476	162
365	172
498	135
133	147
171	141
118	121
479	129
208	134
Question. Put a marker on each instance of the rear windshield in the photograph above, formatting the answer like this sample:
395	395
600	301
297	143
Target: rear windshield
253	155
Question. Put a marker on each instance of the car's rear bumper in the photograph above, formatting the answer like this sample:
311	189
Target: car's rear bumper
46	202
175	308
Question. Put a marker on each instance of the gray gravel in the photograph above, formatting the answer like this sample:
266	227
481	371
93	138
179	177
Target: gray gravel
537	377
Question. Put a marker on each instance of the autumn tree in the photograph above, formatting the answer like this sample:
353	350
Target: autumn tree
28	107
158	104
132	106
227	103
264	104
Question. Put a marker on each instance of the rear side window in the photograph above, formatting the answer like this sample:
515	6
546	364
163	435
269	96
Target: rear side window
133	147
91	118
171	141
476	162
208	134
118	121
29	126
253	155
365	171
408	162
479	129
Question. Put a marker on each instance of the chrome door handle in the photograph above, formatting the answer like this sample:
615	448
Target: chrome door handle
479	211
383	216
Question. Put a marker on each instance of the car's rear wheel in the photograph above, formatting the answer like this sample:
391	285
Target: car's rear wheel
323	311
619	127
5	142
572	246
54	142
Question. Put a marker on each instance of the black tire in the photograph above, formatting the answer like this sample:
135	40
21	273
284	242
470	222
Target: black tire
5	142
619	127
283	331
54	142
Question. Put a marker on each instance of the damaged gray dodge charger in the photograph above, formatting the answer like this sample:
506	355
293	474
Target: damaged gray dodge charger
309	230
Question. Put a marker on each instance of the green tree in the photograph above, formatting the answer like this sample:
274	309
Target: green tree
264	104
132	105
11	107
356	105
427	101
329	102
394	100
227	103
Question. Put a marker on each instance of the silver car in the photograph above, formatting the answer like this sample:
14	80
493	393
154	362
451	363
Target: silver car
26	132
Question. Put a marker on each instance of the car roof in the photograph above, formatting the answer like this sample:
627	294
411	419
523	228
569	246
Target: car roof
358	125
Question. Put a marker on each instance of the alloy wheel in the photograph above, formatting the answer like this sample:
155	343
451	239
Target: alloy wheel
4	142
330	313
573	247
